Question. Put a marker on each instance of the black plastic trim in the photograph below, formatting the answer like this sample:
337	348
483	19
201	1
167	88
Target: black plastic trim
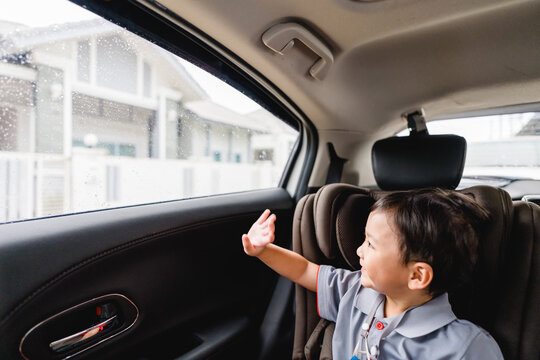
311	154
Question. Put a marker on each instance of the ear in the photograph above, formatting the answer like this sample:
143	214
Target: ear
420	275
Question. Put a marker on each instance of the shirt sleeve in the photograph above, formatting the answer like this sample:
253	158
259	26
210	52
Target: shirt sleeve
332	284
483	346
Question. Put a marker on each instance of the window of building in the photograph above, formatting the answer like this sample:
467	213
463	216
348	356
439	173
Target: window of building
147	79
8	129
116	66
264	155
120	130
83	61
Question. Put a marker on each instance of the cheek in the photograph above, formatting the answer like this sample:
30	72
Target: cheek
369	259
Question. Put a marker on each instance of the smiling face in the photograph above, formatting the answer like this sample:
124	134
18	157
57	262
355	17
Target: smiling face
380	257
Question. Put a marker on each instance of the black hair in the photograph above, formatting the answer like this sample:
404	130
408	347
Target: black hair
438	227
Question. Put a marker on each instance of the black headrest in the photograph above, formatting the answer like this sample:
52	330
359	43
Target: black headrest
401	163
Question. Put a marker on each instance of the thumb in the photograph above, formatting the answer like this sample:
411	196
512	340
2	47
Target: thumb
248	246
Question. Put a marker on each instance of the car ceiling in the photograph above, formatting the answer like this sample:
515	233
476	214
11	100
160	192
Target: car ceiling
390	56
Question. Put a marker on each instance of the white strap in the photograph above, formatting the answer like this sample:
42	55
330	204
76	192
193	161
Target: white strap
366	325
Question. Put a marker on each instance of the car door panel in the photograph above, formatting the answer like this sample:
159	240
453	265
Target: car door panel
181	263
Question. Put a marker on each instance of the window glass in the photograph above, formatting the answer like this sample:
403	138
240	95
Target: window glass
116	63
500	148
93	117
83	61
147	85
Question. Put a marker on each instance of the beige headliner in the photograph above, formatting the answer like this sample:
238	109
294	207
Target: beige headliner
391	56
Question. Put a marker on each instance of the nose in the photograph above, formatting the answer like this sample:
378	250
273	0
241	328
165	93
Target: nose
360	250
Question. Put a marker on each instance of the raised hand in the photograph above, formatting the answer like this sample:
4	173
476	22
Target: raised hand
260	234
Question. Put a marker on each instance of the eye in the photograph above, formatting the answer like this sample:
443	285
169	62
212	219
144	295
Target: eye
369	244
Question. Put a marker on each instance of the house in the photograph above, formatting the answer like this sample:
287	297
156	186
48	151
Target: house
73	93
91	77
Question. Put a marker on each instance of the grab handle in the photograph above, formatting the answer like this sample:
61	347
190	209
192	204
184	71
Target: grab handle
281	37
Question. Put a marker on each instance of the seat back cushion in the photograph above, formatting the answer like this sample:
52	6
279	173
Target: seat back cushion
517	321
328	227
478	304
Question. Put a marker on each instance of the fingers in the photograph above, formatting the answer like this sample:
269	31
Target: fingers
260	234
269	228
269	221
263	216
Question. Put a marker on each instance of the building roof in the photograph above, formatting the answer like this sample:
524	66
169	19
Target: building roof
28	38
265	117
214	112
21	39
531	128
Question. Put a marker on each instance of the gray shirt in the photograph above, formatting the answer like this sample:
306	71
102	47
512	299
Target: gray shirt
430	331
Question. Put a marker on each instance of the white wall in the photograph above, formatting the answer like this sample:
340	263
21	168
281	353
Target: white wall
90	180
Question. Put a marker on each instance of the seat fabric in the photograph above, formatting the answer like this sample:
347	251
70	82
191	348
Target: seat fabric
516	326
317	236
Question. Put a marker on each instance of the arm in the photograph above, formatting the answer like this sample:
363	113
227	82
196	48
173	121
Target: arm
483	346
258	242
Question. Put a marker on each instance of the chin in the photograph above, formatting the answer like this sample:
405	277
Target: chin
366	283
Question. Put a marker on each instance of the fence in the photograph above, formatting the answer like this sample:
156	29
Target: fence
37	185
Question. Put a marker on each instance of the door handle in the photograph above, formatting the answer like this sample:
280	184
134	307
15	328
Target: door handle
102	319
80	337
281	37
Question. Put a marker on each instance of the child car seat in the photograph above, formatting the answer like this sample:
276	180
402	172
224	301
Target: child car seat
329	226
323	233
516	324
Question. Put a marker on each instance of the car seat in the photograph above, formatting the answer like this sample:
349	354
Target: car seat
516	326
329	226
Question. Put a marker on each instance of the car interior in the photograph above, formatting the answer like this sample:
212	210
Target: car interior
169	279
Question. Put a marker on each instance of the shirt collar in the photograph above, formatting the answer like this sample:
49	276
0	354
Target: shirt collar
365	299
426	318
417	321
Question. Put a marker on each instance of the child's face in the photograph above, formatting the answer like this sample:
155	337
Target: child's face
380	258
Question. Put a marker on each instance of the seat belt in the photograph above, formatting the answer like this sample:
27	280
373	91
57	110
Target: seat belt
319	344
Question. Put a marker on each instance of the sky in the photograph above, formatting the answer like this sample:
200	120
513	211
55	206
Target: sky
48	12
220	92
41	13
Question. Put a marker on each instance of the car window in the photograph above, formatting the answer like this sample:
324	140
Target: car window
500	148
93	116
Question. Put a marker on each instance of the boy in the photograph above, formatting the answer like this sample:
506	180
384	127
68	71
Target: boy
419	244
